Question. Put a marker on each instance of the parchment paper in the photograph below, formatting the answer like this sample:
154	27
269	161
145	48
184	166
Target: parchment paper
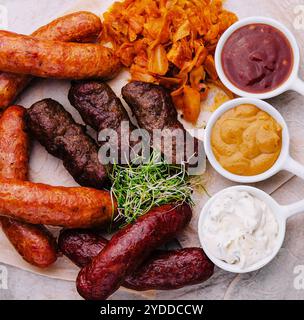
47	169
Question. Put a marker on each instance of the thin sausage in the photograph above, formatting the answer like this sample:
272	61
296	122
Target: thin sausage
56	59
34	243
164	270
128	249
75	27
74	207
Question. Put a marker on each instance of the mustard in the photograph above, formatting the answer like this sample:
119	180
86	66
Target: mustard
246	140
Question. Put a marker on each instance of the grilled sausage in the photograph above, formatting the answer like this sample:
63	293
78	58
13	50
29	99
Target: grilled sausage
81	245
165	270
128	248
14	144
34	243
97	104
75	27
56	59
154	110
62	137
82	26
75	207
101	109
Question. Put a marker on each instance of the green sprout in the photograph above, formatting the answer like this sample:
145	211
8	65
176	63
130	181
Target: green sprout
138	188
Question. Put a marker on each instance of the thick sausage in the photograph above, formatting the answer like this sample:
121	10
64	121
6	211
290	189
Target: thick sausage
75	27
62	137
37	203
56	59
34	243
128	249
165	270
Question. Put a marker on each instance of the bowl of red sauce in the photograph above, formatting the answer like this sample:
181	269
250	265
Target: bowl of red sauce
258	57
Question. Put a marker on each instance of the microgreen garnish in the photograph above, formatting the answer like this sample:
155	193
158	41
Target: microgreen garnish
138	188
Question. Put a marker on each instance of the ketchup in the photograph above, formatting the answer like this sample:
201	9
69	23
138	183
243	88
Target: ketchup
257	58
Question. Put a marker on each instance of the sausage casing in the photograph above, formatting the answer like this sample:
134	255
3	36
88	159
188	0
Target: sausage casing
75	27
37	203
167	270
81	245
82	26
34	243
164	270
128	248
14	144
56	59
56	130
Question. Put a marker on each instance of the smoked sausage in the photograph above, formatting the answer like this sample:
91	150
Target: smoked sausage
70	207
55	59
34	243
128	249
164	270
75	27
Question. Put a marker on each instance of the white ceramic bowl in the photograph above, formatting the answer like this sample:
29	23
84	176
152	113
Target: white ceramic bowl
284	162
282	213
293	82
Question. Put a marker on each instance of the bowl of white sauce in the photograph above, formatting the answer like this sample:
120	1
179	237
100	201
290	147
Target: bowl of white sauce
242	228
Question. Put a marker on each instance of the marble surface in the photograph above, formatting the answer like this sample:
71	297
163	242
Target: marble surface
278	280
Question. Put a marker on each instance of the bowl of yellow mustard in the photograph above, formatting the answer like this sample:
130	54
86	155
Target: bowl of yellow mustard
247	140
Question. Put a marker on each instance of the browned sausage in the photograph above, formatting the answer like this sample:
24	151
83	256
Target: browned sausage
56	59
34	243
82	26
14	144
75	27
37	203
128	248
81	245
165	270
56	130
